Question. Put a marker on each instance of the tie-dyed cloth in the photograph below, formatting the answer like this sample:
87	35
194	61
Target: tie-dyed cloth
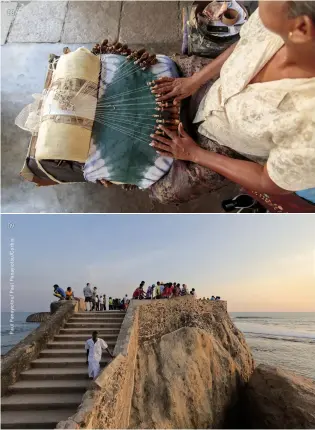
120	150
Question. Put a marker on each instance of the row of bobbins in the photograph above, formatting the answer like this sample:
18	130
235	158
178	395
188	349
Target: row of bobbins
141	57
168	116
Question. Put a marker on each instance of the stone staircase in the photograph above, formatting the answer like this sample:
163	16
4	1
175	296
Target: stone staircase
51	390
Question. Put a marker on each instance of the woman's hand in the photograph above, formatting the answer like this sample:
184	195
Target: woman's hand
177	88
180	146
251	176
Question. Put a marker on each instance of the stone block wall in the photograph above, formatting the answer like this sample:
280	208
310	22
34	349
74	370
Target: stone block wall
18	359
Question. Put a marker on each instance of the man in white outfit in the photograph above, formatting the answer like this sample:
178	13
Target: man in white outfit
94	348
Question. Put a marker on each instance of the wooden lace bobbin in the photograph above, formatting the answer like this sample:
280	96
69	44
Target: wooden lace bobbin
143	57
150	61
136	54
124	50
115	48
96	50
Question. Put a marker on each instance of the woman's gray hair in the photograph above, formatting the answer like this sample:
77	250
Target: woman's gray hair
298	8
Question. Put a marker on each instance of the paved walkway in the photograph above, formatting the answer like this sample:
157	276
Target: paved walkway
30	31
91	21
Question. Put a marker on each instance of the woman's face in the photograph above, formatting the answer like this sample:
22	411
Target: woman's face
274	16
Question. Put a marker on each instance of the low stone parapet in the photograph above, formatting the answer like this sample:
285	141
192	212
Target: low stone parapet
18	359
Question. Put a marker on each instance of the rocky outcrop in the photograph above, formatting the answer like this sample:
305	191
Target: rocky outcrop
192	366
277	399
38	317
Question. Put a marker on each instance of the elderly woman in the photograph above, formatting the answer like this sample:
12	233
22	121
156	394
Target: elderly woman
255	125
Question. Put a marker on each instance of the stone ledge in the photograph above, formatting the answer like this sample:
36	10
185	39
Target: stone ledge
38	317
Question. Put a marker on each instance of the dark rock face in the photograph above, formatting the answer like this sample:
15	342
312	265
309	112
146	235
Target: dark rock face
277	399
38	317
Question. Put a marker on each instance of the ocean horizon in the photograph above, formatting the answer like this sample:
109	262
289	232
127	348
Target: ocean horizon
284	339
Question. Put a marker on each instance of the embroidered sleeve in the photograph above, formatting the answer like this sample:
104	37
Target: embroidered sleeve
292	169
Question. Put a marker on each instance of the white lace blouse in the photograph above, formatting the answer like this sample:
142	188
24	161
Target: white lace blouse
274	121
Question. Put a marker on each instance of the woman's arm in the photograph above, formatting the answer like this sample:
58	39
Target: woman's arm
245	173
248	174
181	88
213	69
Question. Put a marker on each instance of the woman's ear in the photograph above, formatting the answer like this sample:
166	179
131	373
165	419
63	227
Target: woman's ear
304	30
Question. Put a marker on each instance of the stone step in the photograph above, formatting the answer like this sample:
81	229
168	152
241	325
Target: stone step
77	337
97	319
38	374
64	362
28	420
88	331
49	386
66	353
22	402
75	345
95	322
94	326
99	314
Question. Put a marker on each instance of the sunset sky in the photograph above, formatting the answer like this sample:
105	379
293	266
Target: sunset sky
255	262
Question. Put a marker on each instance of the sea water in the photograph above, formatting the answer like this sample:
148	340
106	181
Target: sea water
13	333
284	339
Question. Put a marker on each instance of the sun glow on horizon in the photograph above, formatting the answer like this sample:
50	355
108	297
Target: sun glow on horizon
255	263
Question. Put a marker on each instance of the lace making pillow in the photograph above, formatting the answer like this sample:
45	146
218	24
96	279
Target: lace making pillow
126	114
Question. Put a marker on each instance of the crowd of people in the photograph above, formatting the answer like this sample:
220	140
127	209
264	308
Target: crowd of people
99	302
167	290
162	291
